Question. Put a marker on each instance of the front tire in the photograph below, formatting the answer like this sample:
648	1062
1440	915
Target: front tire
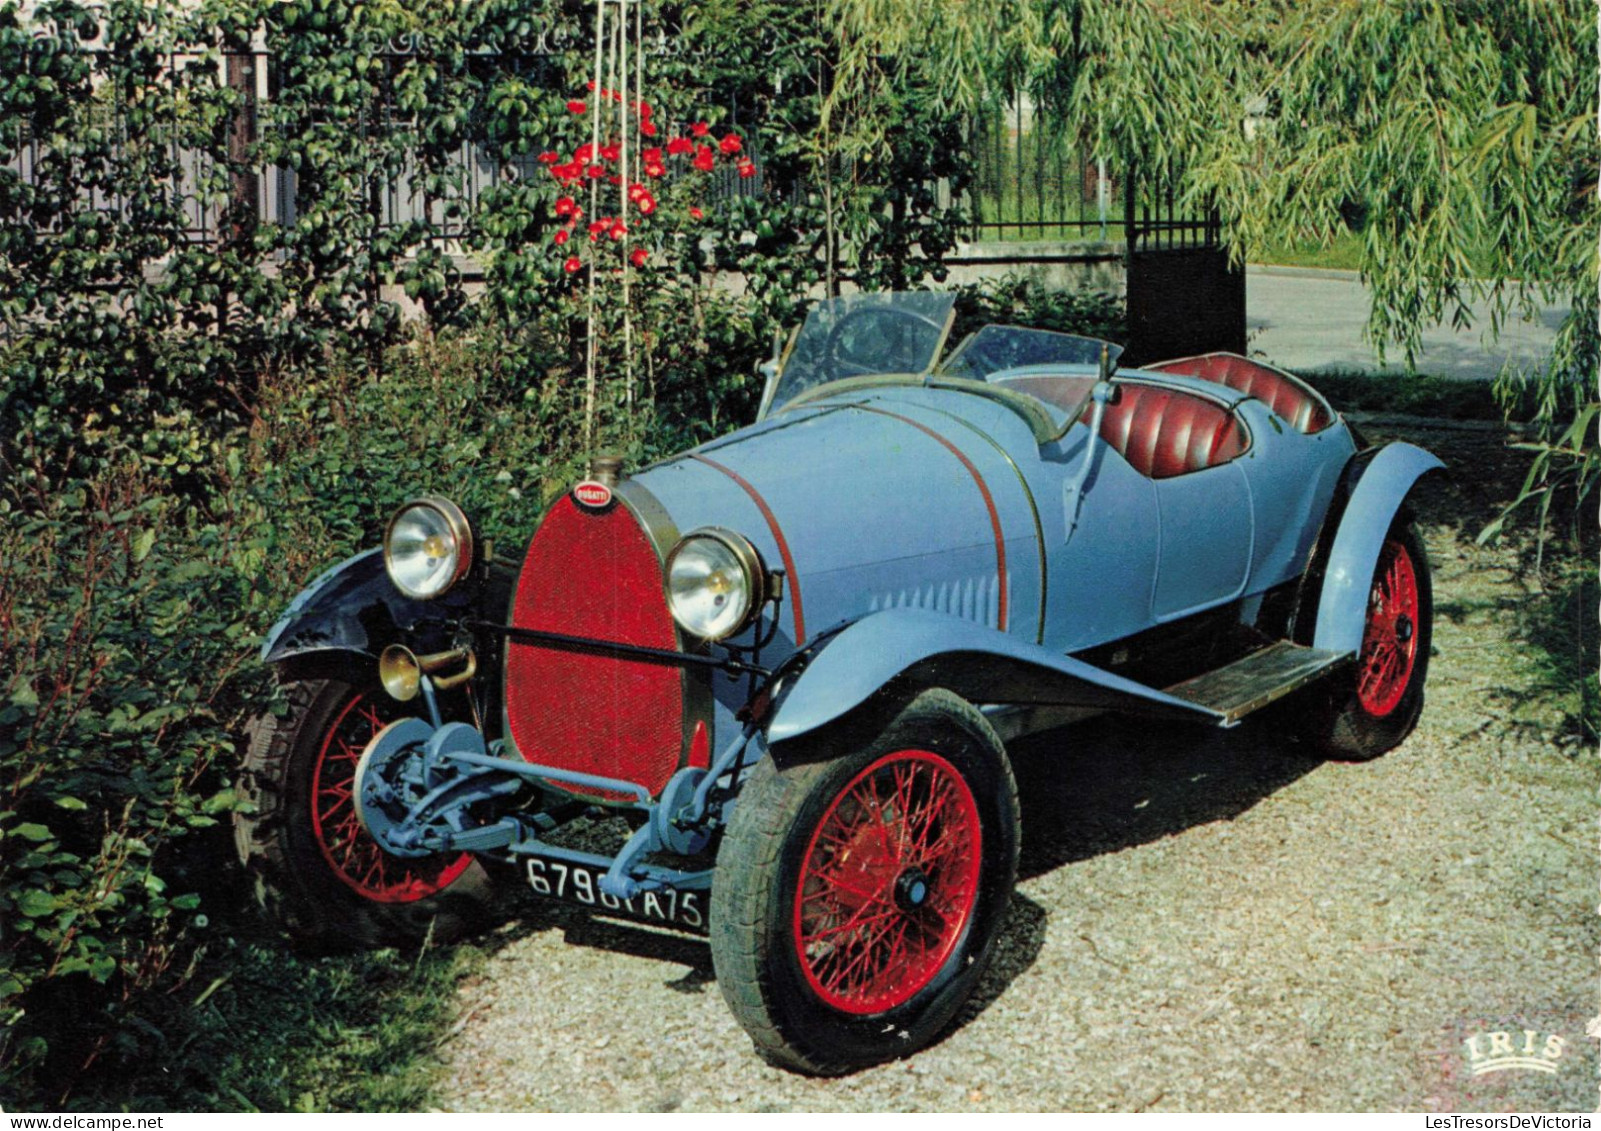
317	871
1374	708
858	896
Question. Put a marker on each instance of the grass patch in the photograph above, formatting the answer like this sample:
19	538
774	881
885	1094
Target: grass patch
260	1029
1344	253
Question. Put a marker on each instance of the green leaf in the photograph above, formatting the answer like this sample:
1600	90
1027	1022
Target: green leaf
71	803
36	904
143	544
33	832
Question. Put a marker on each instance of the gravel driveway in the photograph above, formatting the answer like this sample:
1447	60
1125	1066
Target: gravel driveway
1204	920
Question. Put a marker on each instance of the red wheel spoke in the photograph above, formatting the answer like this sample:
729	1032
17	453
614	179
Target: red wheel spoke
348	850
888	883
1389	640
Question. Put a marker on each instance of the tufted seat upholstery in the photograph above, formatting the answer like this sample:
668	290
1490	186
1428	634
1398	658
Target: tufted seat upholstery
1286	396
1167	432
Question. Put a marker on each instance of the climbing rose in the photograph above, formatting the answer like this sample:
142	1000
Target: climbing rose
618	230
597	228
573	264
609	152
705	158
583	153
548	158
696	214
652	156
647	204
565	206
699	129
747	168
648	129
577	106
595	172
560	237
653	169
729	145
639	256
680	145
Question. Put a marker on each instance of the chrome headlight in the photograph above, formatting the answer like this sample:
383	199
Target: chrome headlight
715	583
428	548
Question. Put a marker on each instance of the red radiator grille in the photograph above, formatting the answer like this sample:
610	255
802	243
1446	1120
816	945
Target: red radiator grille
595	575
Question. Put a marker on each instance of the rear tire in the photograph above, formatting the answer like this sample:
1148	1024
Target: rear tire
1372	708
858	896
317	871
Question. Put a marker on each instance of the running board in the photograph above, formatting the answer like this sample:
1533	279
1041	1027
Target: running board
1249	684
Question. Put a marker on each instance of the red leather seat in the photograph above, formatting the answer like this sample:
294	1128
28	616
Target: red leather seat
1167	432
1286	396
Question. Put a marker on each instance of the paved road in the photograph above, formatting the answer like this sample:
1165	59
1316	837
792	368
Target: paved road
1308	319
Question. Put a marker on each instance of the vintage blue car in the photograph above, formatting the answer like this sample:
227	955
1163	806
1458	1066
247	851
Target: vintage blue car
761	690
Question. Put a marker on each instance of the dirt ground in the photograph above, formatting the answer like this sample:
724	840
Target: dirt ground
1203	921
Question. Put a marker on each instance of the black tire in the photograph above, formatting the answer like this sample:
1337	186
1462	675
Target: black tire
316	871
1373	707
834	1007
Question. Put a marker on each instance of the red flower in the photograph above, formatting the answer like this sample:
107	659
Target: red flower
616	95
654	169
644	110
583	153
609	153
614	179
705	158
597	228
548	158
595	172
747	167
699	129
577	106
560	237
565	206
567	174
635	191
573	264
638	257
651	156
729	145
648	129
680	145
618	230
590	85
646	203
696	214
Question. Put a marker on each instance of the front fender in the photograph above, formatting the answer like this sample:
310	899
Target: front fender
1348	578
354	608
931	649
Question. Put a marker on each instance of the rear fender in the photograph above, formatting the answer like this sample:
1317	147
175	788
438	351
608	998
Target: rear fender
919	648
1374	503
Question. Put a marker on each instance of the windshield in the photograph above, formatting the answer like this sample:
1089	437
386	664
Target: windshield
997	348
861	336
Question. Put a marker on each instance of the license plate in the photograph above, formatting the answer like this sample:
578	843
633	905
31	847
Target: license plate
579	883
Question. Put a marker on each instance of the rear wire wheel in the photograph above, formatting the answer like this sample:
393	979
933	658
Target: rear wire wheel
1377	704
318	871
858	896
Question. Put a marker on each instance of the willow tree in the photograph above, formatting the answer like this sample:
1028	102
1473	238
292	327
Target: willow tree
1456	138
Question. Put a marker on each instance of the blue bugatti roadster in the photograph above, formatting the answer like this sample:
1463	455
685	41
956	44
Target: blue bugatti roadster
779	671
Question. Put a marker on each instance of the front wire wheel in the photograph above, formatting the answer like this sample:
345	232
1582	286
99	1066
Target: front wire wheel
318	871
858	896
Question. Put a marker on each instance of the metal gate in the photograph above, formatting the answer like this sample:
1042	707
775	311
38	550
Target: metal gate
1183	296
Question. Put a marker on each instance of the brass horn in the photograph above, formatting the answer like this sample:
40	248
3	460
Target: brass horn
400	670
